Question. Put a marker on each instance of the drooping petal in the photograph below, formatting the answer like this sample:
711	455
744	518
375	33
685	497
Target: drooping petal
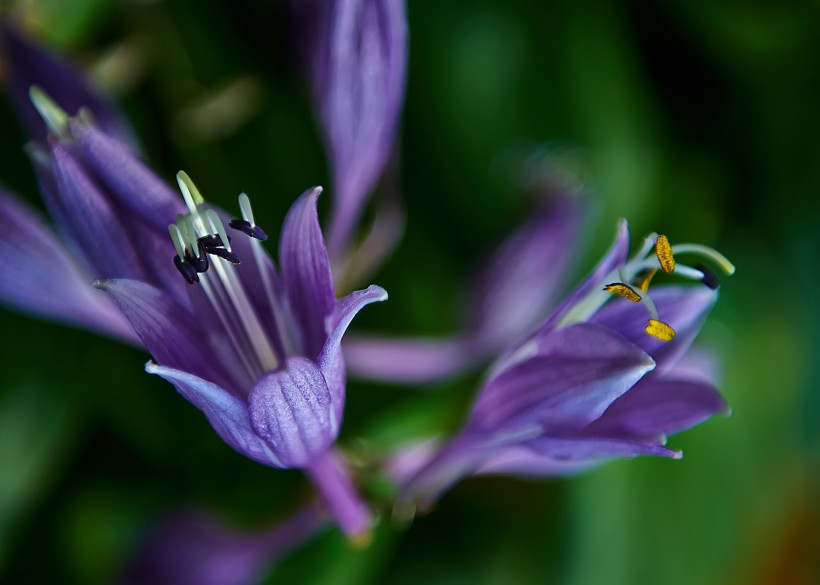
594	449
658	407
40	277
167	330
190	547
520	283
227	414
518	461
30	64
306	271
576	374
92	220
409	360
359	66
330	360
125	177
684	308
290	410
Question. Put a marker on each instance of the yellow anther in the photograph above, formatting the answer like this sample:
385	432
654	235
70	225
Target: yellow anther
623	290
660	330
664	253
643	283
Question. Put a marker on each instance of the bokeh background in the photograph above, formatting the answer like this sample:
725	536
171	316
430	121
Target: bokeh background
698	119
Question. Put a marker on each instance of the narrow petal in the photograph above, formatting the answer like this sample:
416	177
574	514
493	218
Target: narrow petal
593	449
306	271
168	331
685	308
30	64
576	374
290	410
359	68
133	184
191	547
93	222
40	277
227	414
520	284
330	359
332	480
409	360
658	407
518	461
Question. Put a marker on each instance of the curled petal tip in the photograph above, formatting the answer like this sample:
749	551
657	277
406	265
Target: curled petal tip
677	454
379	294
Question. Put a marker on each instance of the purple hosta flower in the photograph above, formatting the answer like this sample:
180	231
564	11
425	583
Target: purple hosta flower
597	380
29	64
358	59
514	291
256	349
192	548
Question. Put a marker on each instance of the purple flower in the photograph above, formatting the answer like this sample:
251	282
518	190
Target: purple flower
255	348
358	60
32	65
192	548
597	380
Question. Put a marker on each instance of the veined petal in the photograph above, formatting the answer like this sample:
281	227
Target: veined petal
227	414
125	176
359	69
684	308
306	271
330	359
167	330
40	277
520	284
576	374
409	360
658	407
290	410
30	64
92	220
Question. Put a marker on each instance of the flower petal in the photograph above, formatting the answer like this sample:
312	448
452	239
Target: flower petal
306	271
576	374
40	277
291	410
359	69
657	407
685	308
167	330
330	359
518	461
409	360
30	64
227	414
92	220
519	285
134	185
573	449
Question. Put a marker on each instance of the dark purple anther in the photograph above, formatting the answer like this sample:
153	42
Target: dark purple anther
223	253
186	269
199	263
245	227
709	277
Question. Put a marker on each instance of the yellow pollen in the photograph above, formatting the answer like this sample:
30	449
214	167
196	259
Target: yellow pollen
623	290
664	253
643	283
660	330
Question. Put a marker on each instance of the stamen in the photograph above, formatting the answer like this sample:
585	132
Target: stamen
189	191
709	278
623	290
664	252
645	279
199	262
179	241
216	225
254	231
723	263
186	269
660	330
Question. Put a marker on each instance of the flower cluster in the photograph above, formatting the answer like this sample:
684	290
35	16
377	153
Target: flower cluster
257	345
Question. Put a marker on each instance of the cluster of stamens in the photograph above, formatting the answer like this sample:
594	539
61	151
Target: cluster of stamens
644	267
631	281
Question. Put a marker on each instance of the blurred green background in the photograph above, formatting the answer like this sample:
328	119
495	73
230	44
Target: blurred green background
698	119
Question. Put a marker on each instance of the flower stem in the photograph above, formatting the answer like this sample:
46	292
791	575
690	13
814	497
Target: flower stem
329	474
